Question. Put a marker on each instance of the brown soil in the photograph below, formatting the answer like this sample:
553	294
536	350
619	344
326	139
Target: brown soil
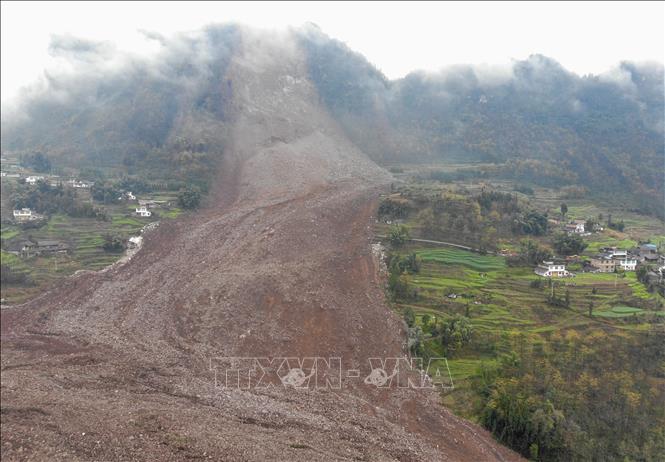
116	365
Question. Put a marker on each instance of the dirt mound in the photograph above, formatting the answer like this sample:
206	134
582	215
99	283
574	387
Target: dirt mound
119	365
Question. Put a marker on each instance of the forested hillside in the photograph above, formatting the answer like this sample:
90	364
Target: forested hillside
161	114
535	120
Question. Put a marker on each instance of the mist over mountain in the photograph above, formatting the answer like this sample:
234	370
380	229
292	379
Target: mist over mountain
166	111
533	120
539	121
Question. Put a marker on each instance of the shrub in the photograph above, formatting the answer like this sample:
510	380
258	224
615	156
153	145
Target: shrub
189	198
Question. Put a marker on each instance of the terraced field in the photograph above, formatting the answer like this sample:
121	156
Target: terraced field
501	303
85	237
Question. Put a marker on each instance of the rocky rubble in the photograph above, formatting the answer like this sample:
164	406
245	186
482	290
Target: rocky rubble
117	365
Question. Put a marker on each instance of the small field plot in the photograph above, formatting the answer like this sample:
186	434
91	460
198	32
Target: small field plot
619	312
462	258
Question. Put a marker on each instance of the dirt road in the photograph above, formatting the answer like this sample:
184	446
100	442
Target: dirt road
116	366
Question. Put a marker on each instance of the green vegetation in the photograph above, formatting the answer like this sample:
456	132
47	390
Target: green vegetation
189	198
36	161
568	244
398	235
46	199
113	244
523	128
574	397
549	366
474	261
95	240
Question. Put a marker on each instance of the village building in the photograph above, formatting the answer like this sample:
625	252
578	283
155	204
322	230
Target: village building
143	211
147	202
33	179
603	263
550	269
576	227
79	184
613	259
617	254
23	214
627	264
43	247
649	253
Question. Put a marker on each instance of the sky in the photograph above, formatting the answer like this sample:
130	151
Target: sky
397	37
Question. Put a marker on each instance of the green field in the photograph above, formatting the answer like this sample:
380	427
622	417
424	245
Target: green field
85	238
501	302
462	258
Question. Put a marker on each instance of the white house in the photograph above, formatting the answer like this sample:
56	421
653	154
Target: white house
130	196
618	254
143	211
147	202
550	269
627	264
80	184
33	179
576	227
23	215
134	242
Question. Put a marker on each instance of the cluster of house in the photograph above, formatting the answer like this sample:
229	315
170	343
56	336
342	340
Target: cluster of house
80	184
25	214
29	248
143	210
579	227
54	180
609	260
32	179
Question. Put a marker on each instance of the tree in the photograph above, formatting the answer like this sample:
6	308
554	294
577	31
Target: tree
590	306
532	222
113	244
189	198
564	209
409	317
531	253
455	333
37	161
569	244
398	235
105	193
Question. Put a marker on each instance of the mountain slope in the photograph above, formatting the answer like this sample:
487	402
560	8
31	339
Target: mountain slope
116	365
536	121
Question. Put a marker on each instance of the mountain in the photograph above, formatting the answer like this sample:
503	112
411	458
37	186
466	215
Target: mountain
128	363
162	113
534	119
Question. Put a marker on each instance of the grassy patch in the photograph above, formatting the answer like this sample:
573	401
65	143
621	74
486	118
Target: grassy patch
619	312
462	258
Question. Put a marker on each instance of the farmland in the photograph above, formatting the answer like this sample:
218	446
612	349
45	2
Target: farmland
504	309
513	340
85	238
